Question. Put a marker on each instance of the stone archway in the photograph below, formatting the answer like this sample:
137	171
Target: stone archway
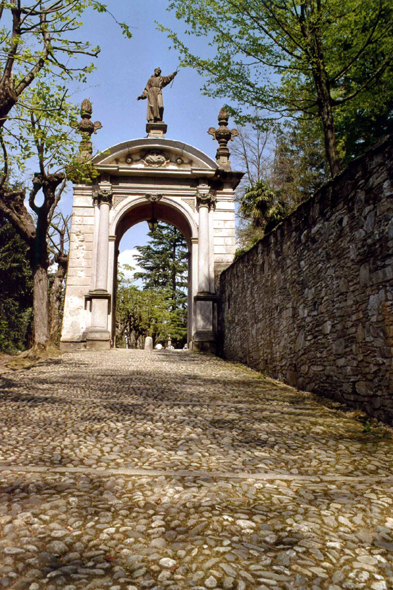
136	210
190	191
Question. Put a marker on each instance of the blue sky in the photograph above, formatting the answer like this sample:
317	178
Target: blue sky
123	68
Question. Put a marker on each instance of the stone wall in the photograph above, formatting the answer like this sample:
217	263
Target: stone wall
312	303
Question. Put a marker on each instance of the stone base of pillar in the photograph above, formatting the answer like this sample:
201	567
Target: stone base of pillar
71	345
156	129
97	339
203	341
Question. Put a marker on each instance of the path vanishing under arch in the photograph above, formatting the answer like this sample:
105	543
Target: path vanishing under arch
126	470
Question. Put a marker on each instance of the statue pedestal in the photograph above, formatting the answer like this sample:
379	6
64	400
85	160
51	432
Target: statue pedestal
157	129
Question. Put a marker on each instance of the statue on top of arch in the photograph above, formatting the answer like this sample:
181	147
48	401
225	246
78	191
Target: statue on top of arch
153	93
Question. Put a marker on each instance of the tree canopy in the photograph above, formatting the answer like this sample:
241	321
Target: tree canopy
39	37
40	54
16	288
302	59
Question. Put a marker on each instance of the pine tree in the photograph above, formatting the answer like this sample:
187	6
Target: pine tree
164	261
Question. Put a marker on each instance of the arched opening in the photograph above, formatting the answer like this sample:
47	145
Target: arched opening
190	191
170	307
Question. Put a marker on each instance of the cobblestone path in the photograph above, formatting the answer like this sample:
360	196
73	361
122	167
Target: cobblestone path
122	470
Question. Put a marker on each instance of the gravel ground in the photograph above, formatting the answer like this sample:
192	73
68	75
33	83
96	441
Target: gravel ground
126	470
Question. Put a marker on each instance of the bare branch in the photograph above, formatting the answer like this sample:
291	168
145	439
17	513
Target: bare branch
39	144
265	31
29	77
56	201
13	208
32	195
5	80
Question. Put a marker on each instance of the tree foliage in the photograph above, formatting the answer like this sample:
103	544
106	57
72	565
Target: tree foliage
301	59
160	308
16	288
145	312
140	313
299	168
39	37
40	55
45	138
282	170
164	264
263	206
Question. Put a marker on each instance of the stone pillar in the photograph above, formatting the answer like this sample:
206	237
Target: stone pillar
203	338
103	245
98	335
203	261
193	287
205	201
189	298
112	283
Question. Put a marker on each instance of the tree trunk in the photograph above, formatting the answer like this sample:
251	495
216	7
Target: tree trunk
39	265
40	306
55	300
326	114
8	100
310	27
132	339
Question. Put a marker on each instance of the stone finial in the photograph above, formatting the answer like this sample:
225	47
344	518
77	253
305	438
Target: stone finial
223	135
86	128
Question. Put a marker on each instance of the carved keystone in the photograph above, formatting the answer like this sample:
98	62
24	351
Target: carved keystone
153	198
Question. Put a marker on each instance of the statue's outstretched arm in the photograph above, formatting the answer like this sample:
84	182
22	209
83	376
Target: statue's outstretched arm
167	79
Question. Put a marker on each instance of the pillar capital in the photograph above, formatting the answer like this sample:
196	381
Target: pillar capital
206	196
103	193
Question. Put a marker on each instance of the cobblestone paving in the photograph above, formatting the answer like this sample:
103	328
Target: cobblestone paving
122	470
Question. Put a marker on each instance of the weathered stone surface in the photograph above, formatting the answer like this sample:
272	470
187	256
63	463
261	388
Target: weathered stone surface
176	171
175	470
312	303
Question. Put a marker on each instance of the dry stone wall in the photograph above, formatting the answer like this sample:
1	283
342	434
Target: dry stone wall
312	303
